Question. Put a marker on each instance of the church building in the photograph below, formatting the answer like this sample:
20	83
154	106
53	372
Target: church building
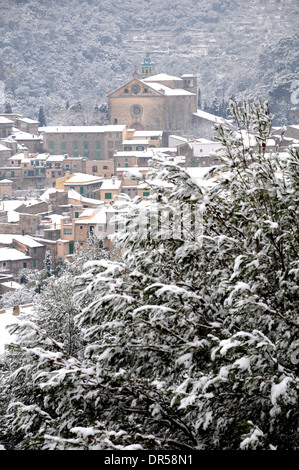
152	101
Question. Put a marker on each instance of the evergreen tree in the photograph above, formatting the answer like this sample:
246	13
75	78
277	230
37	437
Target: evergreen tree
191	337
41	117
199	99
8	109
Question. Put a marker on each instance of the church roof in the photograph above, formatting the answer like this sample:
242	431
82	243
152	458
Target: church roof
169	91
161	77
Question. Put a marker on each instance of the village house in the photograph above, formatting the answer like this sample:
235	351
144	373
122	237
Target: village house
103	168
92	142
31	142
154	138
27	125
129	181
26	245
292	131
30	247
58	165
84	184
110	188
6	126
5	152
12	261
25	170
6	189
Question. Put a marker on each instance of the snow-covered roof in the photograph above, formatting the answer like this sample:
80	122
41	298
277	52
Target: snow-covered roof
132	169
208	116
18	156
12	284
28	120
5	181
203	141
179	138
54	220
82	129
10	205
8	238
111	183
3	148
149	152
83	178
27	240
135	142
45	195
4	120
92	216
169	91
147	133
11	254
56	158
161	77
21	135
72	194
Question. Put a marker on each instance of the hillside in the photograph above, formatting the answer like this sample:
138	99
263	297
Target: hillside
51	53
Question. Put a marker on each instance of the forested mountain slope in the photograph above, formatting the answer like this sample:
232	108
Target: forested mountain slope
54	51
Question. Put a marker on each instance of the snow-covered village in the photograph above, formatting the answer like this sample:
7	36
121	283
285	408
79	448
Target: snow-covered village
149	234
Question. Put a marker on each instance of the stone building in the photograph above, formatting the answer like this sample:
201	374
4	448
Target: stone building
153	101
6	188
30	247
12	260
86	185
6	126
91	142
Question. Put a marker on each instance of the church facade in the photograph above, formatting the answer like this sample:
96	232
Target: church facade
153	101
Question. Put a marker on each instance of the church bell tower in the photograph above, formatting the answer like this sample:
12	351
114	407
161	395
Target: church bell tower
147	68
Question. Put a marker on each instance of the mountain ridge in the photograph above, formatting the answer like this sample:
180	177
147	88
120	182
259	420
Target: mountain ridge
51	53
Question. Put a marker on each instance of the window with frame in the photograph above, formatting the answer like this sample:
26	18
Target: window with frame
108	195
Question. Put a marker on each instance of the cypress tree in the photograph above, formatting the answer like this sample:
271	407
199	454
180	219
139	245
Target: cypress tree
41	117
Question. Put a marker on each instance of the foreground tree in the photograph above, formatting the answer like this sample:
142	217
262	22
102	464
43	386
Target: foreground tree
191	338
